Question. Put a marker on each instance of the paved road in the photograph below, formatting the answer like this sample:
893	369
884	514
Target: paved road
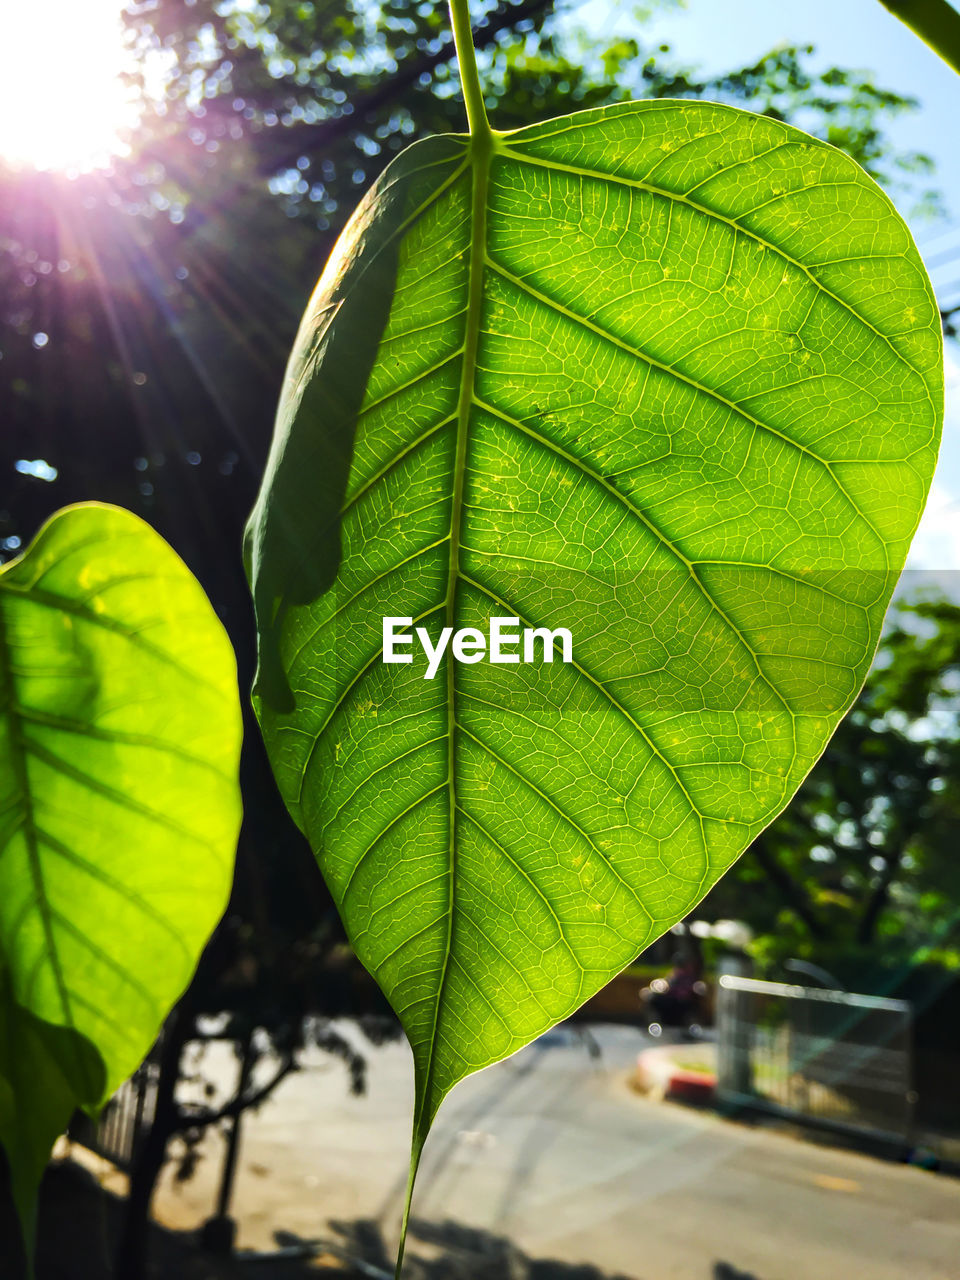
554	1150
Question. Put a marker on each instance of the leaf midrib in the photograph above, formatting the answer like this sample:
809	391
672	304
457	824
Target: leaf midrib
481	153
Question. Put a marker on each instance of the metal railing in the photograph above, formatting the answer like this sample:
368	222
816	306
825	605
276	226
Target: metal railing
831	1057
124	1119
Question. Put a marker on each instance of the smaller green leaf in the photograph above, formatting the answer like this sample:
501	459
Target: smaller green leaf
120	735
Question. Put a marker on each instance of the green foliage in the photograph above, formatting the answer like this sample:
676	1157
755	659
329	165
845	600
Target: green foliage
119	743
667	374
861	868
322	96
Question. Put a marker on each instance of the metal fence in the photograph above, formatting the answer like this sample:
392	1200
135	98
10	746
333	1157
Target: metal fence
833	1057
124	1119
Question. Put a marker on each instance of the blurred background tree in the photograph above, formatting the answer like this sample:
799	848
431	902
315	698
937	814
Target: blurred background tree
146	312
860	873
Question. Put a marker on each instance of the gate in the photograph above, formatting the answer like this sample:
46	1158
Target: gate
830	1057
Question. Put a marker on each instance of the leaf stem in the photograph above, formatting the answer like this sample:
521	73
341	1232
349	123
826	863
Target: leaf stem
416	1151
936	22
469	76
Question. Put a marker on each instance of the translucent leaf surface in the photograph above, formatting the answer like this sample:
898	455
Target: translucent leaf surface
119	811
667	374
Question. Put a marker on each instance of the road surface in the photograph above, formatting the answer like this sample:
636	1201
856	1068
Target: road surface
554	1151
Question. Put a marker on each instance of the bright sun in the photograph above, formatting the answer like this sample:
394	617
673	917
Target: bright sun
61	97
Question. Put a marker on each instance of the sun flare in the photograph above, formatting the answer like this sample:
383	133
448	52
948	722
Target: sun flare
62	102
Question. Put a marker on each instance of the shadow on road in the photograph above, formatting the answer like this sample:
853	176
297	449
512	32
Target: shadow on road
79	1223
449	1251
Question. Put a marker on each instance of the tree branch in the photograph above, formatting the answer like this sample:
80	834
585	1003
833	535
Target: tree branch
790	890
877	902
936	22
150	1152
230	1110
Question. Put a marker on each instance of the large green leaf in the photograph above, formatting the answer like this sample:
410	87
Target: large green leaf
119	811
667	374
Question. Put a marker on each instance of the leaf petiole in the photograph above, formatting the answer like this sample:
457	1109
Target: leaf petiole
469	76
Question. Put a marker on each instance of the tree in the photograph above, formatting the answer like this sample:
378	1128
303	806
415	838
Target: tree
325	95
